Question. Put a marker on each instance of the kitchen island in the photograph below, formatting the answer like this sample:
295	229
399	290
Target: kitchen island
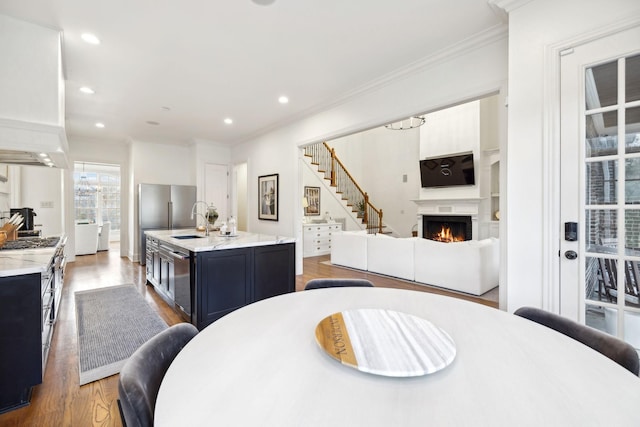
206	277
31	283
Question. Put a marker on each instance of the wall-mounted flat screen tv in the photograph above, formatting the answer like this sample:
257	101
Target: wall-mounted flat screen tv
447	171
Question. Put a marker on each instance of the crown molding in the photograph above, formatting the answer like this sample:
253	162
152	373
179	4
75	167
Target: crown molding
508	5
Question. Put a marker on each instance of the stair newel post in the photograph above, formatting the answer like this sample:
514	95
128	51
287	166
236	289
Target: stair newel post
365	218
380	222
333	167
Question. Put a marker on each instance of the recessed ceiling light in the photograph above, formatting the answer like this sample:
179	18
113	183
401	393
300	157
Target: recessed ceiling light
43	154
99	125
90	38
228	121
151	122
87	90
283	100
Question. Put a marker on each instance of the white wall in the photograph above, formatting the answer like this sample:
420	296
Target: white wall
12	175
239	207
30	73
41	189
471	73
158	163
531	193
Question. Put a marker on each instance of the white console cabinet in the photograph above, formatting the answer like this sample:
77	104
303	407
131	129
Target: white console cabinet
317	238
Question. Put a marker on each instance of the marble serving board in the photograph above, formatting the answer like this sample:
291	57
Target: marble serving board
385	342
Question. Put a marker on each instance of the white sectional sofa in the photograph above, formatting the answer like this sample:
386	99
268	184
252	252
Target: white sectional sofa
471	267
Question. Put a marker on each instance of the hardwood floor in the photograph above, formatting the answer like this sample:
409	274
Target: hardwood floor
60	401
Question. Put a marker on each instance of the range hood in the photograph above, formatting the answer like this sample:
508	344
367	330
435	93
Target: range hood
32	101
24	143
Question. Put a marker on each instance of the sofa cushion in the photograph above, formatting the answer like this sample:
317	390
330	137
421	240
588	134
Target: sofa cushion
391	256
349	249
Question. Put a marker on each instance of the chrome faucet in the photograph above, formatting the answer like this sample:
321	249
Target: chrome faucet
194	211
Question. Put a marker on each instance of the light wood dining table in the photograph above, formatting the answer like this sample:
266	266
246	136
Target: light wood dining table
261	366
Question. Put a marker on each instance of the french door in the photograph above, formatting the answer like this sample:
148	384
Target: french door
600	184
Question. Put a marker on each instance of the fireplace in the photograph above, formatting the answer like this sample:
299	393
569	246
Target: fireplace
453	228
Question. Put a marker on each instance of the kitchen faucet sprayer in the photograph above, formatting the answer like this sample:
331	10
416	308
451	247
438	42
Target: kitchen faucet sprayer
206	216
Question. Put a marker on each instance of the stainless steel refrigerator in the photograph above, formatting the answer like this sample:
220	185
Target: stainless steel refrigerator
163	207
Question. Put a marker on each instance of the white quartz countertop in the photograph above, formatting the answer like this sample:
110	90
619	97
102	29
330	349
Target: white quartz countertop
215	241
16	262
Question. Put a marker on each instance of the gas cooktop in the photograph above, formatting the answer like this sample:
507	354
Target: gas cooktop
31	243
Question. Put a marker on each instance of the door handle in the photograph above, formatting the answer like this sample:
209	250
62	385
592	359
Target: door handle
570	255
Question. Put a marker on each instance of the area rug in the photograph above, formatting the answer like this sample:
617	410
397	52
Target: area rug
112	323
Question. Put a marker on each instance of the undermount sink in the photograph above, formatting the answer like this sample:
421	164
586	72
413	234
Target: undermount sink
187	236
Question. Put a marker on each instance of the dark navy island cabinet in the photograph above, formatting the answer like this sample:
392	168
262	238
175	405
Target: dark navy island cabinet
228	279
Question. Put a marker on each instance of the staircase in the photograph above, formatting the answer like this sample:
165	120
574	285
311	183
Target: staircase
324	157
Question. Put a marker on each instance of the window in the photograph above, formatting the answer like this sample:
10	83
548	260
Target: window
97	194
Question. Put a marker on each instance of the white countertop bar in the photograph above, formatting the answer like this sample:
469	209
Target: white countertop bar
15	262
215	241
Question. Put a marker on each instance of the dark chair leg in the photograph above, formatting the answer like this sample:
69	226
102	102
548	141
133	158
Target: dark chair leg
124	423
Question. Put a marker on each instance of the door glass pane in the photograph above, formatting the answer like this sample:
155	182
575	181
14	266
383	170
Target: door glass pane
601	134
602	178
85	196
632	232
600	283
632	80
601	230
632	181
601	318
632	329
632	275
632	130
601	85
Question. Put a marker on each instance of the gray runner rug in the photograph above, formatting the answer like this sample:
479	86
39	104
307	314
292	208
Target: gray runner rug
112	323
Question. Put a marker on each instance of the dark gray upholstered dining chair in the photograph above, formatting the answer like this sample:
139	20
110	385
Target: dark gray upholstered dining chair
142	374
336	283
615	349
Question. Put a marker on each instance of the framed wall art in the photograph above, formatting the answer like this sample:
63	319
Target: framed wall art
312	194
268	197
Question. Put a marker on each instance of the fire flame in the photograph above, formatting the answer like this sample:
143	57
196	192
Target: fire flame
445	235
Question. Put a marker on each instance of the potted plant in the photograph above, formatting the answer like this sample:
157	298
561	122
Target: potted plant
212	215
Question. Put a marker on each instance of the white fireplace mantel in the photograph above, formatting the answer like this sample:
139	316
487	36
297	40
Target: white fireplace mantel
462	206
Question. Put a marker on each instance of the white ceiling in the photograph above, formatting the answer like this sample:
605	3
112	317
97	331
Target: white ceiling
207	60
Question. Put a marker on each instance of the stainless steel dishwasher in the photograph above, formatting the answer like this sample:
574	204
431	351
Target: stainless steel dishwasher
179	277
